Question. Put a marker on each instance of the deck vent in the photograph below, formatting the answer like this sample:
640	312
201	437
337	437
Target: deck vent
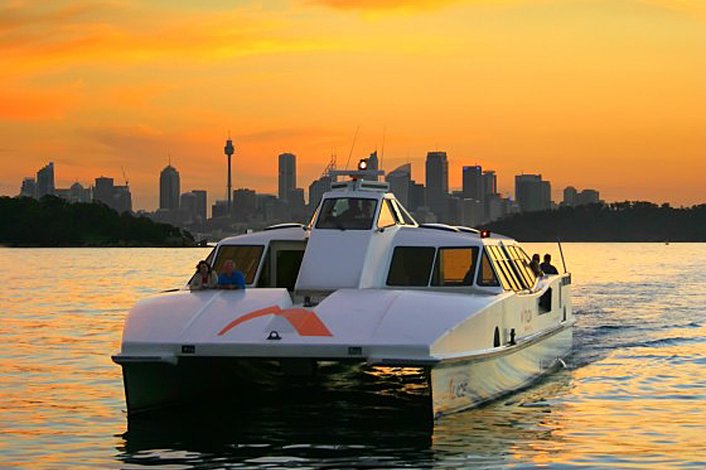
188	349
274	336
444	227
355	351
285	225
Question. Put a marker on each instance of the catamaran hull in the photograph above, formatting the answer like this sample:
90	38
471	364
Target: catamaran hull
446	387
464	383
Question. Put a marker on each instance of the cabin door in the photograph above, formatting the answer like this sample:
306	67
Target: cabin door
285	261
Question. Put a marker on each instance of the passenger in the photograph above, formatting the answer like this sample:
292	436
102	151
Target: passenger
534	265
352	213
230	278
205	277
547	266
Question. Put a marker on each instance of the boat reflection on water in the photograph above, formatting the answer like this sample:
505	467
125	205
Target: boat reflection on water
323	426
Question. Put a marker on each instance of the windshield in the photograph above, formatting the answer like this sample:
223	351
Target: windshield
347	214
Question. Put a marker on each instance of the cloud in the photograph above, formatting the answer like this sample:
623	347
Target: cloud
404	5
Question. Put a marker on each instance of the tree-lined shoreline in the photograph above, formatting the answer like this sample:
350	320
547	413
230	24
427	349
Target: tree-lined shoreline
54	222
629	221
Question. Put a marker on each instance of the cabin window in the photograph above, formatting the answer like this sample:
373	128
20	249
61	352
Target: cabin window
402	214
347	214
522	265
411	266
486	275
455	267
246	259
387	217
504	271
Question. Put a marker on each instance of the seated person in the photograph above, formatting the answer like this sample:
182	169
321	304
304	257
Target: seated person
205	277
534	265
230	278
547	266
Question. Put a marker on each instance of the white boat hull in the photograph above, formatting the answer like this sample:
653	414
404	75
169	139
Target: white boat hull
449	386
460	383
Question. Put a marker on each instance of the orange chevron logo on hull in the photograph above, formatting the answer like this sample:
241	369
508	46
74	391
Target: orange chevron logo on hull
306	322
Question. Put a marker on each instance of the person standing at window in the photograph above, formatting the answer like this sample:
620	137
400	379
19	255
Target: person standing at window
205	277
547	267
231	278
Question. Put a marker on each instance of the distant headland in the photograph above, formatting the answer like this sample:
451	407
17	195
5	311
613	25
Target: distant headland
55	222
630	221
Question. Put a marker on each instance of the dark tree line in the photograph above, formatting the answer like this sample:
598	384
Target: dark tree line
629	221
51	221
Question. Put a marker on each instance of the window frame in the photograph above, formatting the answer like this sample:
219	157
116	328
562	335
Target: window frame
479	279
320	213
475	250
419	247
395	217
503	266
256	271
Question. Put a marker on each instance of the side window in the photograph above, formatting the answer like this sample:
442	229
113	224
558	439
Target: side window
402	214
245	257
507	277
455	267
410	266
387	217
346	214
486	275
522	265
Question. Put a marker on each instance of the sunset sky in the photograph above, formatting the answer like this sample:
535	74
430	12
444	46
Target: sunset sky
603	94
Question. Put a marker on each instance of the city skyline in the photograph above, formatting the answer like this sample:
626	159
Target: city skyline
590	94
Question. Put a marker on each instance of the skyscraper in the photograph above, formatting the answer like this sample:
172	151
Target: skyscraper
437	176
490	184
201	203
473	182
317	188
103	190
570	196
400	180
45	180
532	193
169	183
29	187
287	175
373	163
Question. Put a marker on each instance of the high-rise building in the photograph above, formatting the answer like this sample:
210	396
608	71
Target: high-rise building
587	196
122	199
532	193
103	190
169	183
490	184
373	163
45	180
115	197
317	189
187	208
437	190
29	187
287	175
570	196
417	196
473	182
400	180
201	204
244	204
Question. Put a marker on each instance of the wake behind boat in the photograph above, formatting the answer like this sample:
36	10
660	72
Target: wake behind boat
363	296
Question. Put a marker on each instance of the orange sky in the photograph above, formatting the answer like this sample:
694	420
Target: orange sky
605	94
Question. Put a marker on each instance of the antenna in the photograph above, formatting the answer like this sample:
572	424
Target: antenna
127	183
382	150
355	136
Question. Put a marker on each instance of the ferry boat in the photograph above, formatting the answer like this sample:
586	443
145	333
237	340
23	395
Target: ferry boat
363	294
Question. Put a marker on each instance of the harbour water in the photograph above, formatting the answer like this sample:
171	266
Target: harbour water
633	393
